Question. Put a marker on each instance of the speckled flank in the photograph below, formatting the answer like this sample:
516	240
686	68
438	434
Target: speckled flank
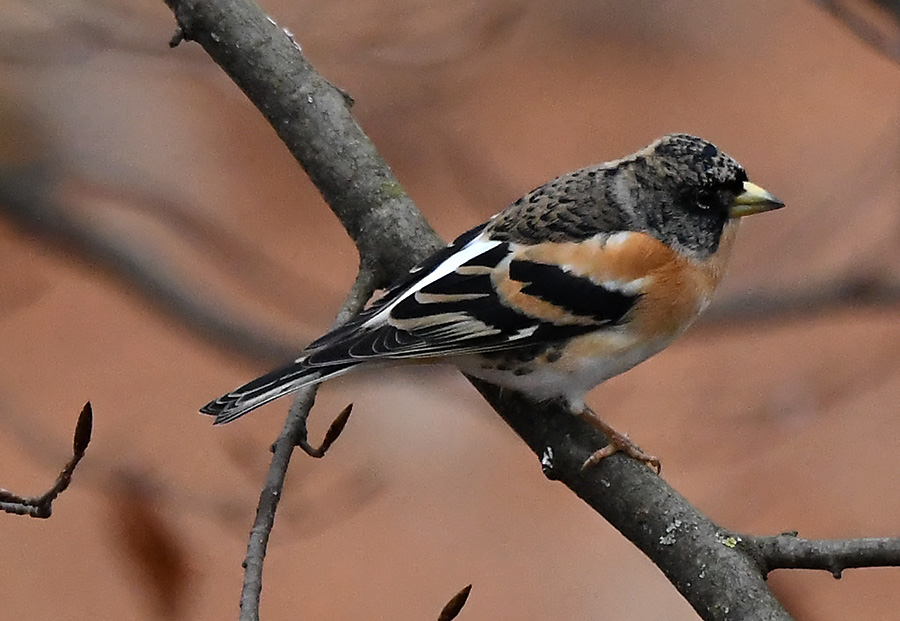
522	360
568	369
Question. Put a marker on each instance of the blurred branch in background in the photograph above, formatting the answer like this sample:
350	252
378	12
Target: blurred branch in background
42	506
853	291
30	197
877	22
43	32
267	280
154	549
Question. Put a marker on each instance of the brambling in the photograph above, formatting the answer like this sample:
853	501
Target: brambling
576	282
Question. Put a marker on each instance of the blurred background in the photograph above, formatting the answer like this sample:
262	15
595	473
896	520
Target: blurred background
159	246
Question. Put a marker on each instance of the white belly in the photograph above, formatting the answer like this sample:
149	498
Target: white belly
583	364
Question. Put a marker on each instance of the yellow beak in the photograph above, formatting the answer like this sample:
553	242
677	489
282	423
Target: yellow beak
753	200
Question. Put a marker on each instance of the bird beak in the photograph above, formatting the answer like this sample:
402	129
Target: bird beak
753	200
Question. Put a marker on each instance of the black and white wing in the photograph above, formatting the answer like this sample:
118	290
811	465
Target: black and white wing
477	295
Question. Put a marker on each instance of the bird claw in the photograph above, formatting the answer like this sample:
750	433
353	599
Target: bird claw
618	442
624	445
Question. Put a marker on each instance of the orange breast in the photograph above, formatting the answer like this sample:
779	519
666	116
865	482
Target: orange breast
674	287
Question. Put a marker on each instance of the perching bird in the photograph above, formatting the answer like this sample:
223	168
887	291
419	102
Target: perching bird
576	282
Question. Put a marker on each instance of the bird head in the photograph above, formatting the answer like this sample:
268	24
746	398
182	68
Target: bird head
683	190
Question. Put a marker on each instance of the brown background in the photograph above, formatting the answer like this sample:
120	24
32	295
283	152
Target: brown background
766	426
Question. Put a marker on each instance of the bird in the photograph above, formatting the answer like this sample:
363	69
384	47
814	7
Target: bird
575	282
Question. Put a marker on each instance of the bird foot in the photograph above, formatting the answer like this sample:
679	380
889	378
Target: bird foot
618	442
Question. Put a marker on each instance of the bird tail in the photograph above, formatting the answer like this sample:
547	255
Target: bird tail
269	387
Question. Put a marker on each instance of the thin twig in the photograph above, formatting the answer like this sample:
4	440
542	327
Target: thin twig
294	433
788	551
334	431
282	451
42	506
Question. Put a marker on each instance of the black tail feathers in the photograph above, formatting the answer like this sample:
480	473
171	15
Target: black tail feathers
269	387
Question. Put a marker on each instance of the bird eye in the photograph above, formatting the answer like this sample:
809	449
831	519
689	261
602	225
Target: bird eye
707	198
709	151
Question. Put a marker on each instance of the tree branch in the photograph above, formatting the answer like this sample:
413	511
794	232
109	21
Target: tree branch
42	506
282	451
788	551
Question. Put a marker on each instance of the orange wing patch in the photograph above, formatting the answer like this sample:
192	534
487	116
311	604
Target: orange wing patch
674	288
510	293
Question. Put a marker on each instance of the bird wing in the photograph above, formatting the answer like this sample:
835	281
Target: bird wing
481	295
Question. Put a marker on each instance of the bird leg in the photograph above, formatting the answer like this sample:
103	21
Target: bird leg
617	442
